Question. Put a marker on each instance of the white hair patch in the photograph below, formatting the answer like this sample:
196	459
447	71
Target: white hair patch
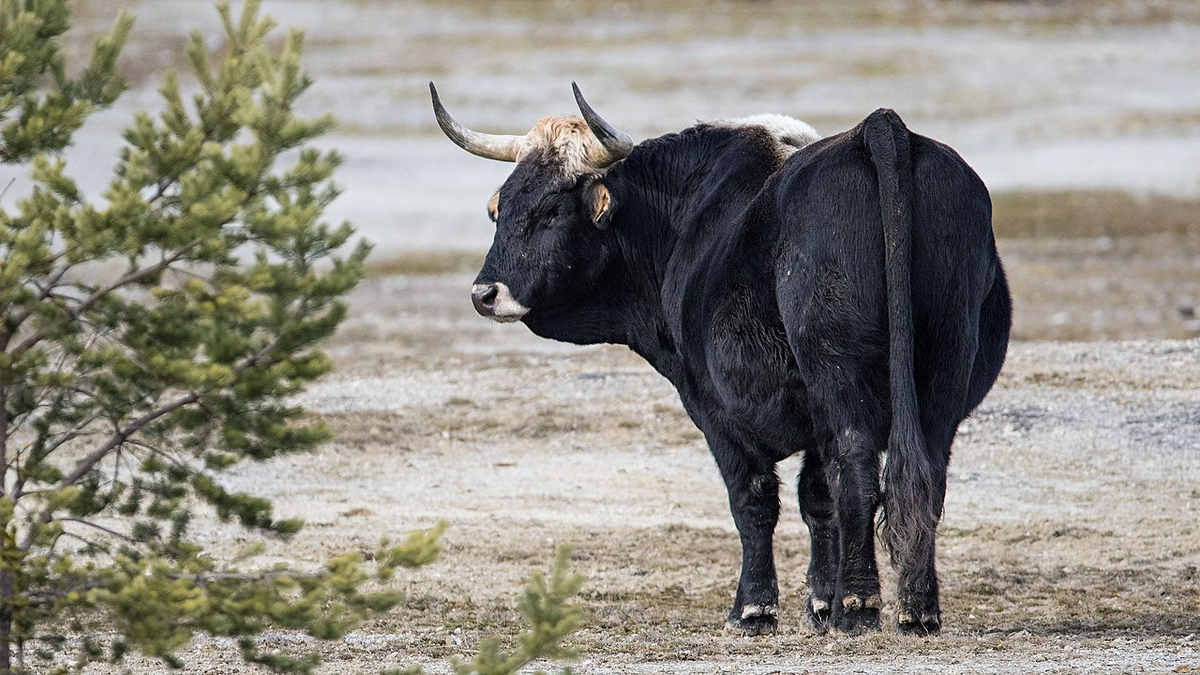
790	133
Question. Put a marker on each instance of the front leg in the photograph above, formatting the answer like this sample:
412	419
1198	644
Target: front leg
754	500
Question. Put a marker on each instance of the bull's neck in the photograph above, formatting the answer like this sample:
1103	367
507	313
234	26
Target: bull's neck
687	187
674	197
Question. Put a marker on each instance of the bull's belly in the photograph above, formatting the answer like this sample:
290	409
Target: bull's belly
769	410
775	430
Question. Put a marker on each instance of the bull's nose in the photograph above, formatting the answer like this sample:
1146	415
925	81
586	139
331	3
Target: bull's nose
484	298
496	302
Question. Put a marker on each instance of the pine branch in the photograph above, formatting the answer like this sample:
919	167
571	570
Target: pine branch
92	299
87	463
121	435
87	542
17	422
550	619
45	597
210	577
4	439
43	292
77	431
106	530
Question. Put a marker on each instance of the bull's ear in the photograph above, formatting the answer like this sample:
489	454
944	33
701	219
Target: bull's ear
493	207
600	203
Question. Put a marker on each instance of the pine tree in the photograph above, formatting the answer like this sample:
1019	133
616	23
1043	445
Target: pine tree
151	342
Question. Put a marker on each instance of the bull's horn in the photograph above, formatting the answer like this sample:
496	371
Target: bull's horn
617	144
491	146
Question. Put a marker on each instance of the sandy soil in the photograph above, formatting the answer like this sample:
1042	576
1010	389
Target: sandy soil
1070	542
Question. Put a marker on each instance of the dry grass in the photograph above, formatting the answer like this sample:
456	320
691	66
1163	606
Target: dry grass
1103	264
425	263
1092	213
660	595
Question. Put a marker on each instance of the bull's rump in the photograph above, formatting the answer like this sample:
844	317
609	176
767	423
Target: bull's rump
831	284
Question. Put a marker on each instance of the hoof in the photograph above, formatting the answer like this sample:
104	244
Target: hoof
859	615
754	620
928	623
856	602
819	613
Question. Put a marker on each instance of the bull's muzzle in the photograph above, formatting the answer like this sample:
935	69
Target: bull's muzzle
496	302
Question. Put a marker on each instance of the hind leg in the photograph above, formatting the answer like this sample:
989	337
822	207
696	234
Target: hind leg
839	500
840	480
820	514
833	314
913	552
853	470
910	526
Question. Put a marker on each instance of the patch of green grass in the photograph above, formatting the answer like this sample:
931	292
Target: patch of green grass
425	263
1091	213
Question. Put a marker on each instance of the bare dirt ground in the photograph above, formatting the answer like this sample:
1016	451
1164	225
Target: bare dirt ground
1070	543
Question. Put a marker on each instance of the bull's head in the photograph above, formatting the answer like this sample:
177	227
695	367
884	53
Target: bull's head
550	248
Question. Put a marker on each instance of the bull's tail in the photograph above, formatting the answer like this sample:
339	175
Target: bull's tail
912	500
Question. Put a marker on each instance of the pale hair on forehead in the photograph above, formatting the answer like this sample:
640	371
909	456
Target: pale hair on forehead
569	139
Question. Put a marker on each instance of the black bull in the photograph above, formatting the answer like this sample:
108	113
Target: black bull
842	301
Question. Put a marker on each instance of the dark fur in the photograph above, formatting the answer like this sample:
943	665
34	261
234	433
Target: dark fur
845	302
